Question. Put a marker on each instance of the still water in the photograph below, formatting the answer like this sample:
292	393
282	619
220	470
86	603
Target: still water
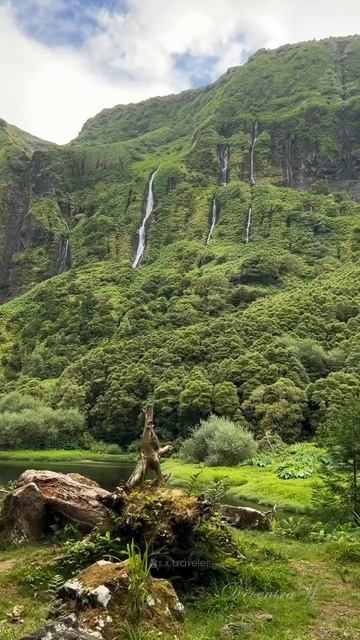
106	474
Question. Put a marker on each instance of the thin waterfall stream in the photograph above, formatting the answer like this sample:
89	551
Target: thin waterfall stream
224	165
252	153
142	231
213	220
248	226
62	257
252	180
223	155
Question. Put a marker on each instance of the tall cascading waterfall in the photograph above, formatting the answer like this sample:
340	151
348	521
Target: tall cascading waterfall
252	180
224	164
142	231
62	256
214	212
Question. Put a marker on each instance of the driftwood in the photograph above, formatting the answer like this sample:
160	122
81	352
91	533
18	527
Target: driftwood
149	459
247	518
44	497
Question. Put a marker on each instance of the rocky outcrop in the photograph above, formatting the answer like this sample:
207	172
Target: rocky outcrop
101	600
41	497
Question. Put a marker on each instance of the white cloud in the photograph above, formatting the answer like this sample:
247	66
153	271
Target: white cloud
51	91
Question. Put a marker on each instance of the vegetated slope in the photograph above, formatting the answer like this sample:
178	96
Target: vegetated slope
263	319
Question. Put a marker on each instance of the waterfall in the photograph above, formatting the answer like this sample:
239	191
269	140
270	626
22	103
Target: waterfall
62	256
252	180
142	231
224	164
213	220
289	171
248	226
252	152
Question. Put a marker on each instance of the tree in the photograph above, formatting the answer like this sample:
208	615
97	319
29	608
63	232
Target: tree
226	400
195	400
279	407
341	436
327	396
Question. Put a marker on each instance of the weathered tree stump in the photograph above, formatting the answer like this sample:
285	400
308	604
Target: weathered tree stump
150	455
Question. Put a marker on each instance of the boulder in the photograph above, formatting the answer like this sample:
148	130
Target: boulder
44	497
103	597
102	600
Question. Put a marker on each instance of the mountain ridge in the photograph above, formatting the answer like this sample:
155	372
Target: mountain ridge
251	313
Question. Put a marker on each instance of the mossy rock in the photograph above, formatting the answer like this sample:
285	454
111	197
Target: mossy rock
102	597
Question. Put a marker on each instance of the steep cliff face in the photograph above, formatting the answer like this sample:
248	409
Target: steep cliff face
84	202
32	226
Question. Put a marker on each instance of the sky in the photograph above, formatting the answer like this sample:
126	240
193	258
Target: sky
62	61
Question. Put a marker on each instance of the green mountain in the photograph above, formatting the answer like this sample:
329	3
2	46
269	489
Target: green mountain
245	299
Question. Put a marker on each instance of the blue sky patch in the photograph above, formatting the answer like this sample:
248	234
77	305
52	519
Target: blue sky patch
62	22
198	69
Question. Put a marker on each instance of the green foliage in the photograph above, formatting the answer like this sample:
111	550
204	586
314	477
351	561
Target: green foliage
139	571
26	422
301	461
341	435
266	330
218	442
262	460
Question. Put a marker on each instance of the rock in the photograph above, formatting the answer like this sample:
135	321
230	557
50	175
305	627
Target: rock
23	515
14	616
42	497
100	594
83	480
99	603
65	629
246	518
263	617
234	629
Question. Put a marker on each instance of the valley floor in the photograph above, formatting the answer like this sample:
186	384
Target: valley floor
253	484
321	601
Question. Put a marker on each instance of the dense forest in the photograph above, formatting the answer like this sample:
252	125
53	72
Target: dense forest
246	303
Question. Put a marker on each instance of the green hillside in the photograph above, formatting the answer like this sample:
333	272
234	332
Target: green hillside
262	319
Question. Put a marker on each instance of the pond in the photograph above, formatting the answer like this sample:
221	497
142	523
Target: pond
107	474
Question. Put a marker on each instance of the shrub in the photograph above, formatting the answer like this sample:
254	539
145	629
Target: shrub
99	446
219	442
25	423
15	402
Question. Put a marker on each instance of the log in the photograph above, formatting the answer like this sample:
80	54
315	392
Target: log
247	518
44	497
